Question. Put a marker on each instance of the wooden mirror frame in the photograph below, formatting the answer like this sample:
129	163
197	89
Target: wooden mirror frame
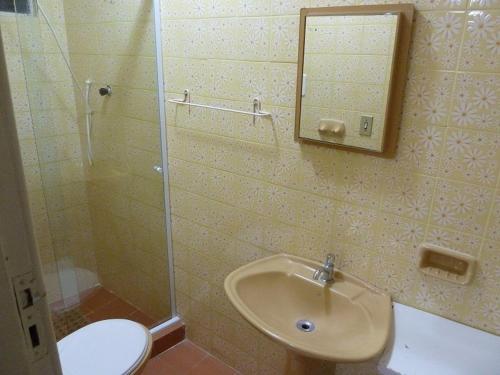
398	76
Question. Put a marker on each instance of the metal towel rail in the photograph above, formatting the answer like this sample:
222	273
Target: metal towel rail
257	106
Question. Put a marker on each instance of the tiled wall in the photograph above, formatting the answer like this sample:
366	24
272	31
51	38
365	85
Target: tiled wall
347	65
112	43
242	191
44	107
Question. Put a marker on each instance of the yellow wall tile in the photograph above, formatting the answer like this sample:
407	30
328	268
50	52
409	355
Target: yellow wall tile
240	192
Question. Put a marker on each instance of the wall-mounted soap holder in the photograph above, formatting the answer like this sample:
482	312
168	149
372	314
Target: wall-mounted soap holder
446	264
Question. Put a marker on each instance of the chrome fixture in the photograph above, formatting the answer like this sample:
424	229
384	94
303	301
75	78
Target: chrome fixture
88	121
325	273
158	169
257	106
305	325
106	91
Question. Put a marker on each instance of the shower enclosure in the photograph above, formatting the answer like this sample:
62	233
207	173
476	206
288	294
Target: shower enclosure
93	159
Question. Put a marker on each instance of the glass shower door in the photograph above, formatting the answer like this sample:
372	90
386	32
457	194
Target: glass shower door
97	201
52	163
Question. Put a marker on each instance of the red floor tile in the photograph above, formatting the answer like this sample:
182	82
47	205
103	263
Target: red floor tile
96	299
116	309
187	359
212	366
140	317
158	368
184	356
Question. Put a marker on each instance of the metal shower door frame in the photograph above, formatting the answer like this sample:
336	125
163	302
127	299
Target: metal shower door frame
164	153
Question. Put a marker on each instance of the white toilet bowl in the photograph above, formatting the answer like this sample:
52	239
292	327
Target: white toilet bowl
108	347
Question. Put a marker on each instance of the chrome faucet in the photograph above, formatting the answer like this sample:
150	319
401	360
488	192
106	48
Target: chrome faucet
325	273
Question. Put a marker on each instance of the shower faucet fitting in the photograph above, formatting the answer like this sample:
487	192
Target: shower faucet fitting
105	91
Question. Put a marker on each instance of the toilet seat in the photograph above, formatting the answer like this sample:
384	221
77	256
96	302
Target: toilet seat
108	347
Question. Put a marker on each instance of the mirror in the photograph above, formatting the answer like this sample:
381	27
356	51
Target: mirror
352	69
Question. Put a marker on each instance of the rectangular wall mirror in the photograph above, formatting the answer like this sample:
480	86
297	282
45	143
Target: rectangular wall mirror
351	76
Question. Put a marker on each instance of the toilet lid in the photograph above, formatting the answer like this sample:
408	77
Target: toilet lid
108	347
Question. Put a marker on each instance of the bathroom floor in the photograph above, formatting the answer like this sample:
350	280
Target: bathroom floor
187	358
97	304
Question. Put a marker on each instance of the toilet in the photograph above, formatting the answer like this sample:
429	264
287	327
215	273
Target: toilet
107	347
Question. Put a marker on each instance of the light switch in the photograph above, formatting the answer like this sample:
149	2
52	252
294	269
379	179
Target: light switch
366	126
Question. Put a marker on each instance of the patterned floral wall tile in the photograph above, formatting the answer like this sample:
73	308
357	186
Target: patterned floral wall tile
288	6
284	39
459	241
282	81
396	276
441	299
483	307
399	237
471	156
409	195
421	147
461	207
241	81
481	42
357	181
437	38
428	96
331	3
475	102
355	225
440	4
483	4
493	230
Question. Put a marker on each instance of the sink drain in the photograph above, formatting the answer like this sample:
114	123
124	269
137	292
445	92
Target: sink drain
305	326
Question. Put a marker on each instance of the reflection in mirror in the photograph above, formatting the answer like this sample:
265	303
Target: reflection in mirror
347	68
352	69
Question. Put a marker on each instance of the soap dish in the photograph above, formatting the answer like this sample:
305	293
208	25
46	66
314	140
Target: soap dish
446	264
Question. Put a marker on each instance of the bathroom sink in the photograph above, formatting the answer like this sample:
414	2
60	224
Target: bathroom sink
344	321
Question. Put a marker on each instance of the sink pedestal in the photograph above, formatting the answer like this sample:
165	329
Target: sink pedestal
297	364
